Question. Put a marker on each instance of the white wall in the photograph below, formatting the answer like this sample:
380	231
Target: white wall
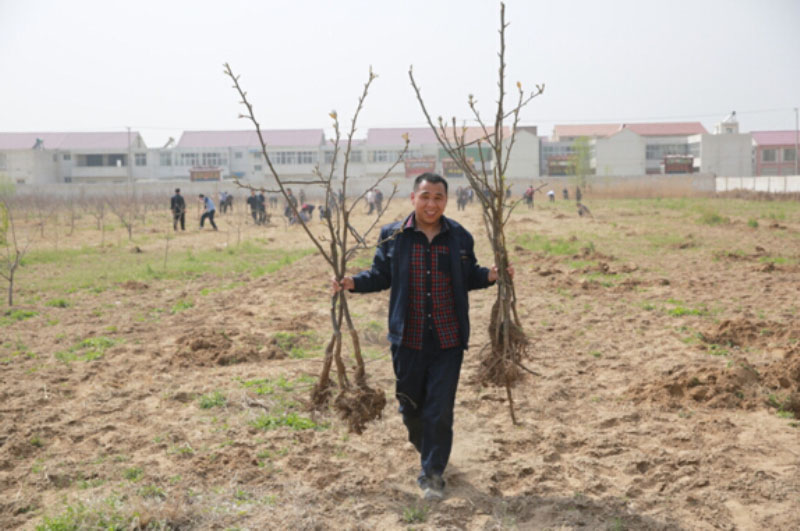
727	154
524	161
773	184
622	153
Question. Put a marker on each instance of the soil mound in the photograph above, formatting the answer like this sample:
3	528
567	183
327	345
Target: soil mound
209	348
747	333
740	384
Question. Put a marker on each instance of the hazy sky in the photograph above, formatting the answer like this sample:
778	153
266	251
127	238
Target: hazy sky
95	65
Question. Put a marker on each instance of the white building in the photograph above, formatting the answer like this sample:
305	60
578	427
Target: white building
44	158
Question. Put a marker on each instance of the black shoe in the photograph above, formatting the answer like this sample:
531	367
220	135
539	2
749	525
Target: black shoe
432	487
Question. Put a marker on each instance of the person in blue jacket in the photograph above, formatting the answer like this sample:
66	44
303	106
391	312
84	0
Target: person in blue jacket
429	263
210	209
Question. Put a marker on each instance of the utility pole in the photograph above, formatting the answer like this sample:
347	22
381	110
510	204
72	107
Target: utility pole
130	162
796	137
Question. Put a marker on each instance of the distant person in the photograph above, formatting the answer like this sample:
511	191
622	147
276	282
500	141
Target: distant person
378	199
528	196
551	195
302	197
371	201
210	209
470	195
262	208
223	202
565	194
462	196
578	195
584	211
178	207
508	193
253	203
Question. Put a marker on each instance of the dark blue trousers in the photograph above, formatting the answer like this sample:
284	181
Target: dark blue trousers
426	386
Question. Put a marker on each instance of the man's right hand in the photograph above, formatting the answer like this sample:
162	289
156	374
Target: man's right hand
345	283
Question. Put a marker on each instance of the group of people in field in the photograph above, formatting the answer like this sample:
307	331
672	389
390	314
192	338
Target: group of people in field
177	205
297	209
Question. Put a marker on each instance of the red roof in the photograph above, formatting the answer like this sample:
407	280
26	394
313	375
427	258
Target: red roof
667	128
422	135
71	141
393	136
576	130
774	138
272	137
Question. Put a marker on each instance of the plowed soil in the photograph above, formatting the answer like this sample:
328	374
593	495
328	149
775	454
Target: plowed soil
666	392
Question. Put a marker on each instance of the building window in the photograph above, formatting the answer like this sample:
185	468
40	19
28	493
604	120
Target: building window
769	155
659	151
140	159
355	156
328	157
113	160
383	155
94	160
257	167
306	157
189	159
257	155
237	155
214	159
789	155
66	156
284	157
165	159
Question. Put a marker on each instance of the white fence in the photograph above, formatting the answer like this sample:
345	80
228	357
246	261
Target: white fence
771	184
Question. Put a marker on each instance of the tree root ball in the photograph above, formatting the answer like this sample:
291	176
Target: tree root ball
500	366
359	405
321	394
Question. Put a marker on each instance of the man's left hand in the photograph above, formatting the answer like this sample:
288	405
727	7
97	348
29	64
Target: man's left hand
493	272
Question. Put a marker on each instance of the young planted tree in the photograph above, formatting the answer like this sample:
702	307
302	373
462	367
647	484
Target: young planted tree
14	250
508	343
581	161
356	402
127	208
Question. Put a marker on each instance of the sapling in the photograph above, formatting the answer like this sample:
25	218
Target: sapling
508	342
355	401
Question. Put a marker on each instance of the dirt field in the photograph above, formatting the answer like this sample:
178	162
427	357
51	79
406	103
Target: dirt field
163	382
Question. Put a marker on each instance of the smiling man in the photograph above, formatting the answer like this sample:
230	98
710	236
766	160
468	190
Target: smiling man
428	262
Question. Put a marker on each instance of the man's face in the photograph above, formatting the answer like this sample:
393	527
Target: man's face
429	202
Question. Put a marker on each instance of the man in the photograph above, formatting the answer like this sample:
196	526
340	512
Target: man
178	207
210	209
371	200
377	199
428	262
529	196
254	204
262	208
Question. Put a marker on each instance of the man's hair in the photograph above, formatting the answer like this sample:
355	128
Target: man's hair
177	190
201	195
432	178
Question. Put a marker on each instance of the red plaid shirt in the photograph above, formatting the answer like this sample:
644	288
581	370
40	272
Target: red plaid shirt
431	303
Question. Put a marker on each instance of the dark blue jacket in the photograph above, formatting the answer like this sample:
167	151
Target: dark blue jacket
390	269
